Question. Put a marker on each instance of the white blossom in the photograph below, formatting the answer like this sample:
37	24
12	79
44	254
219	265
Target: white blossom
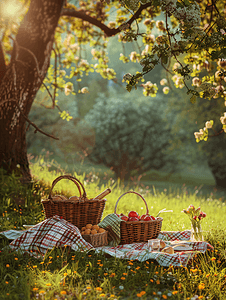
84	90
166	90
208	124
163	81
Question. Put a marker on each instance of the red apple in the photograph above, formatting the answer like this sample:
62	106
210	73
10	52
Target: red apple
142	217
149	218
125	218
133	219
133	214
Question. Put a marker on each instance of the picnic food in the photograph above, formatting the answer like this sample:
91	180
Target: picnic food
133	216
135	229
59	198
89	226
74	198
162	244
103	194
169	250
78	210
94	235
91	229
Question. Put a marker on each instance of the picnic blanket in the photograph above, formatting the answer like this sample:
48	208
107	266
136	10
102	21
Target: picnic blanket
57	232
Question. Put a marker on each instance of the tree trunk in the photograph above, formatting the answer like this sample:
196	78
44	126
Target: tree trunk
217	158
218	170
22	79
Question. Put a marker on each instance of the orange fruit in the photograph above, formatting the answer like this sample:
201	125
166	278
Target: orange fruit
83	229
87	231
101	230
83	232
89	226
93	231
96	227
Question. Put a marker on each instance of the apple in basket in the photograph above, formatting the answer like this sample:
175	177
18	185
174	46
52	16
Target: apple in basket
133	219
124	218
147	217
133	214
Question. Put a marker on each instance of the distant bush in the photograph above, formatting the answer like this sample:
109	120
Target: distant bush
129	136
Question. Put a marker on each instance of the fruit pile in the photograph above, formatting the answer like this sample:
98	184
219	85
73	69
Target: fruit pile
91	229
133	216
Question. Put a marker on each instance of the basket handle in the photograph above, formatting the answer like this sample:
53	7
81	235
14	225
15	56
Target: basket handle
75	180
132	192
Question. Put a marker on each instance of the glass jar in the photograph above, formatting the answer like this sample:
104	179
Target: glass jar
196	232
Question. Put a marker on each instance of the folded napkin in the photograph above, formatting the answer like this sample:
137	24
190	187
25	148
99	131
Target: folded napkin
112	224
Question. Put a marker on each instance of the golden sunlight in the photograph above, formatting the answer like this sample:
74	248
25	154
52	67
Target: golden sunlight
9	8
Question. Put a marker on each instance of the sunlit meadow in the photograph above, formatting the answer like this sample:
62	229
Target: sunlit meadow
66	274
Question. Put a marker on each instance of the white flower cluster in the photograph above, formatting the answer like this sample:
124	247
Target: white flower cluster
150	89
85	90
127	77
163	81
188	14
134	56
149	23
83	63
223	121
196	81
166	90
160	25
178	81
222	63
146	50
111	24
132	4
219	90
68	88
203	133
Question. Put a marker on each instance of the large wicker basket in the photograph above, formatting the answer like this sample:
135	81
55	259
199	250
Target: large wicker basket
80	211
96	240
138	231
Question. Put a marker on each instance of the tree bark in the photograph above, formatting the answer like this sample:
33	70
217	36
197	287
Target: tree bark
22	79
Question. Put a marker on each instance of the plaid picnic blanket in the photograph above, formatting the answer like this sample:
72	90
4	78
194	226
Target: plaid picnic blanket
52	232
140	251
57	232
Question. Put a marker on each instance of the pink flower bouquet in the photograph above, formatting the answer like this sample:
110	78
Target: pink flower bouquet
195	215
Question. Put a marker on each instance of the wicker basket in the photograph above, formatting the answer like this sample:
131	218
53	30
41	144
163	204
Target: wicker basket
138	231
96	240
80	211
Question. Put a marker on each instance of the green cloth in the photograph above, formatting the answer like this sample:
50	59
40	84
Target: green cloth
112	224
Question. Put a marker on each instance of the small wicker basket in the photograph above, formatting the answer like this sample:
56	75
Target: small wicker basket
79	211
96	240
138	231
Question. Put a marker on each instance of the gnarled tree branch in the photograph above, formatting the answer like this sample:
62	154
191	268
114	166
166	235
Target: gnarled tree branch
108	31
29	121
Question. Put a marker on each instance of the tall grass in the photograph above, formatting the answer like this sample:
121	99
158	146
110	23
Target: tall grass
66	274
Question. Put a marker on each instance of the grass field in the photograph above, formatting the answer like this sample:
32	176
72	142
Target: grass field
65	274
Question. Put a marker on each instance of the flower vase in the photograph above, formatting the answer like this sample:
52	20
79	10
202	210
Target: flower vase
196	233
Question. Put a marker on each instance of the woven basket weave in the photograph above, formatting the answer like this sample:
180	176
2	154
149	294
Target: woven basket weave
138	231
96	240
80	211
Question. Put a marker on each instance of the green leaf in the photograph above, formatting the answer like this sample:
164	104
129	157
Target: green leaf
129	87
193	99
164	59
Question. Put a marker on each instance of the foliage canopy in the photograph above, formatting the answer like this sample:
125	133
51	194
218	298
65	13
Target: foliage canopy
186	37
